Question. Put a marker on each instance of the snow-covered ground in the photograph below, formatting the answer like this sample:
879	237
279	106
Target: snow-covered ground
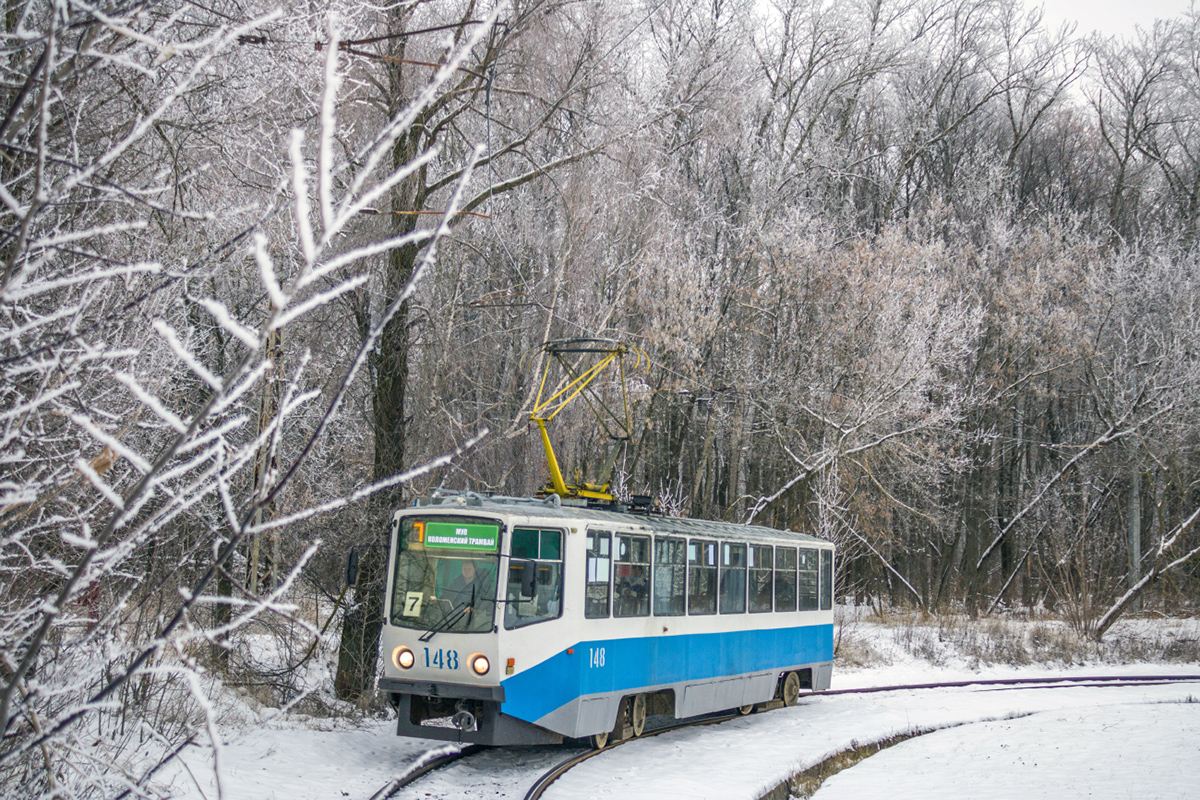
1057	741
1135	750
746	758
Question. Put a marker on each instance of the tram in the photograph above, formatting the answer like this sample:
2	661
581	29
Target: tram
533	620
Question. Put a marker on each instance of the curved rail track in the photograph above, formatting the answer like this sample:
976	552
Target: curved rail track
991	684
554	773
1078	680
423	768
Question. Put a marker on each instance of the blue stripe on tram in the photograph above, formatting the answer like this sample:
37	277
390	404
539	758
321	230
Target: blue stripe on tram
655	661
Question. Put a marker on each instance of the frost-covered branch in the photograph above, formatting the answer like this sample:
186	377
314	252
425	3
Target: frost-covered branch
182	389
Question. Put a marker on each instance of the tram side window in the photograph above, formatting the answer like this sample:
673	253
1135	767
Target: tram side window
670	577
826	580
808	579
632	585
785	579
544	548
599	557
733	578
702	577
761	587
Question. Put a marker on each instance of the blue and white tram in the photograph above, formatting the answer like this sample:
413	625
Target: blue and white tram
524	621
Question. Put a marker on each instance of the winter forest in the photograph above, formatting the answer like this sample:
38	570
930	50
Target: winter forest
920	277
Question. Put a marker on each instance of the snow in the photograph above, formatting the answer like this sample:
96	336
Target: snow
1043	755
746	758
1055	740
296	763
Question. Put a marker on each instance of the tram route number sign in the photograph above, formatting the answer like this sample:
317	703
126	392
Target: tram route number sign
412	603
462	536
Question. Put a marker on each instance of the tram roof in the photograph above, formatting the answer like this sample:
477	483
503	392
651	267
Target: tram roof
552	507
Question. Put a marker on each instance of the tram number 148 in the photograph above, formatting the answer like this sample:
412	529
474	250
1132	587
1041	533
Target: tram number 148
595	657
447	659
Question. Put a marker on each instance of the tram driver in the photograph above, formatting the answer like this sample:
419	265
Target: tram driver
470	588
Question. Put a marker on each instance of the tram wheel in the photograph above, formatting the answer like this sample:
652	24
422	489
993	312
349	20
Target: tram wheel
744	710
637	714
598	741
791	689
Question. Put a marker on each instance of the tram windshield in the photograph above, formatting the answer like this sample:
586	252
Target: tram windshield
445	574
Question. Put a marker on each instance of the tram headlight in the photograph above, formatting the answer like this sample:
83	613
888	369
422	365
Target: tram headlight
479	663
403	658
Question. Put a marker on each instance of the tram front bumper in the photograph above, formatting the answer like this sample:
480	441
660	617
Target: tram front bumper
459	713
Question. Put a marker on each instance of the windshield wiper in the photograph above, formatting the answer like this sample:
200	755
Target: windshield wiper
456	613
454	616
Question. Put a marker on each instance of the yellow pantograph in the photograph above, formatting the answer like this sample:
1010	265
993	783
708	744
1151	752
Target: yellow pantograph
582	361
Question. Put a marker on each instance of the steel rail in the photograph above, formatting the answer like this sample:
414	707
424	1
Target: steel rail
553	774
1126	680
424	768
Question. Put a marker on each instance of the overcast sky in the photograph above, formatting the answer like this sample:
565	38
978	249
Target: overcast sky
1110	17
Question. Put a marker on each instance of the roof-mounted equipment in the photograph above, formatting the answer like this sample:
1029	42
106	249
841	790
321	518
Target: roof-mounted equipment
582	361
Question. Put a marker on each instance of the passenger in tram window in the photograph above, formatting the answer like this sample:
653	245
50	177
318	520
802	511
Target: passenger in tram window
470	587
632	599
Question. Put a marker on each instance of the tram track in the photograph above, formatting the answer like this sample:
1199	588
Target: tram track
560	769
544	781
1081	680
444	760
423	768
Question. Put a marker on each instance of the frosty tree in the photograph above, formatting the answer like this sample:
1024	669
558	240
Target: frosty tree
913	274
136	453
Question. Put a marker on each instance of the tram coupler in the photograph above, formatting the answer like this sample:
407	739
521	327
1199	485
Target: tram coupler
463	719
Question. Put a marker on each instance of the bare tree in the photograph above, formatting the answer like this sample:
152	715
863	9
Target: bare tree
119	439
522	94
1130	105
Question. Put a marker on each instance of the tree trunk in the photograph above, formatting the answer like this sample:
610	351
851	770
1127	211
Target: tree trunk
1134	524
359	649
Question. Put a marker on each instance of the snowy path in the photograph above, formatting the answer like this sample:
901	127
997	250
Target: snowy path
743	758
